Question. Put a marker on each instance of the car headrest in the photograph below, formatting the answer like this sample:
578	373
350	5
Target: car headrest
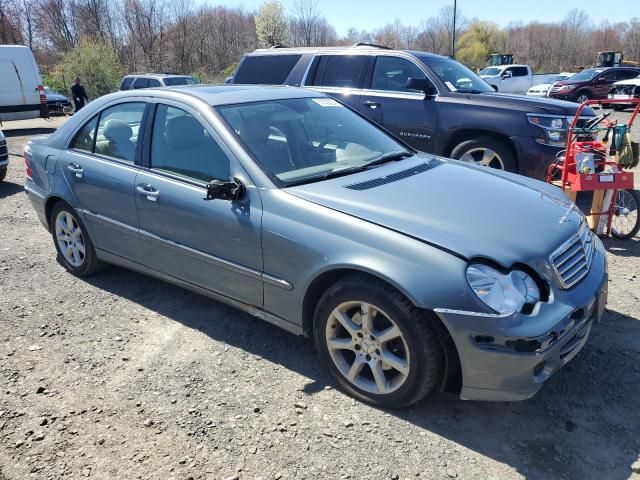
184	131
255	129
117	131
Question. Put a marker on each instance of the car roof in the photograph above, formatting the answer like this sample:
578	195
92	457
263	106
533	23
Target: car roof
216	95
364	48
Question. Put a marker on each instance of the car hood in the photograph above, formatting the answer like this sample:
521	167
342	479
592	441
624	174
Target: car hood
527	104
632	81
56	97
473	212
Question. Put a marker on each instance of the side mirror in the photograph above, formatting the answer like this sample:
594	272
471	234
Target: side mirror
507	74
422	85
232	190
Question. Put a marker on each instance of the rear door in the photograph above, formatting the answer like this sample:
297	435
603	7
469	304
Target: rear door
214	244
341	76
602	83
99	166
387	101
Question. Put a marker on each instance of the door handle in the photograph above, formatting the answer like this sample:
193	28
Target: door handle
148	191
371	105
76	169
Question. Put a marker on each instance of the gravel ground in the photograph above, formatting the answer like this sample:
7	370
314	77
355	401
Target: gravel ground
123	376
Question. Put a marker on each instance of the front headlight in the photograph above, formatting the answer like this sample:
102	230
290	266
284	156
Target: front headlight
566	88
504	293
553	129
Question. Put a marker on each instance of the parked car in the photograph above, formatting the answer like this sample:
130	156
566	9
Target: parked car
591	83
154	80
22	94
514	78
432	102
625	90
542	89
290	206
4	157
58	104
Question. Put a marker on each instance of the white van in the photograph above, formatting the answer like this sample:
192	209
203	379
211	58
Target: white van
22	95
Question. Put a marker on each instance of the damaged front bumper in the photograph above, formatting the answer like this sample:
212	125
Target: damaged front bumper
508	358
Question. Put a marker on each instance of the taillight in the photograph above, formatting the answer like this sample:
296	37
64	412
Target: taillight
27	158
43	95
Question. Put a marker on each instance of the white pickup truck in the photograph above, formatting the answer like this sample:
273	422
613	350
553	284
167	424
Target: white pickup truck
514	78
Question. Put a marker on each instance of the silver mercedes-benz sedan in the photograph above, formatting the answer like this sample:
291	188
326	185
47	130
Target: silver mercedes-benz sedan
412	273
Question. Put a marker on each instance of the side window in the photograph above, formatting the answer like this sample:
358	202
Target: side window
141	83
85	136
519	71
126	83
342	71
154	83
627	74
182	146
266	69
392	73
609	76
118	130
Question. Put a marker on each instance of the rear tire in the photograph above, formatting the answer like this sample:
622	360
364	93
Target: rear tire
486	151
72	241
376	344
3	174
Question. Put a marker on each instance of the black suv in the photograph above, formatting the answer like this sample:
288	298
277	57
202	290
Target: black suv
434	103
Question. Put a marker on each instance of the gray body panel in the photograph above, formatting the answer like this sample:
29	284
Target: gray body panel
263	253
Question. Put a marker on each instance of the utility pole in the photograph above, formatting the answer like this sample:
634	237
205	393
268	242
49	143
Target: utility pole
453	34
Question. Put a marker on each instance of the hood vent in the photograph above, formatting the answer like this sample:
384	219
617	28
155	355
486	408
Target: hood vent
394	177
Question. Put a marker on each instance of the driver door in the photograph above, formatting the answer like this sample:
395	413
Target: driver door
214	244
387	101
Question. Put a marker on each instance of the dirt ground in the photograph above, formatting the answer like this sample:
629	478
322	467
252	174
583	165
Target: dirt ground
120	376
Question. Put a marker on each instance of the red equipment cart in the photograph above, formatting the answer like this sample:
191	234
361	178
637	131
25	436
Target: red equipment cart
606	174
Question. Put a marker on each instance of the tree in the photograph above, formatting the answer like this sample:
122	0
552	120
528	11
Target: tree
305	20
271	24
9	26
96	63
480	39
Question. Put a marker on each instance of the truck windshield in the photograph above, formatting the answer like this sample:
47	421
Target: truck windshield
491	71
455	76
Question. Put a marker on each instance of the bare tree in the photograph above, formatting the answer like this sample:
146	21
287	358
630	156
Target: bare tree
10	31
305	20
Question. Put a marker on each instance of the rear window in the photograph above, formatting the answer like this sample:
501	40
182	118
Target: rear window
126	83
266	69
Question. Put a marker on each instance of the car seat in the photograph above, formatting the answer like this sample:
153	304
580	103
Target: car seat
119	145
274	155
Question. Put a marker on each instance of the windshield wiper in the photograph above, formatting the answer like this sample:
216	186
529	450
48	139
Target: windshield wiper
389	157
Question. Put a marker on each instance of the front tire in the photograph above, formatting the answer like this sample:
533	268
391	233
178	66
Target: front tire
488	152
72	241
376	344
583	96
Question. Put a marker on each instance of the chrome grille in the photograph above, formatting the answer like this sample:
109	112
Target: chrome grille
572	260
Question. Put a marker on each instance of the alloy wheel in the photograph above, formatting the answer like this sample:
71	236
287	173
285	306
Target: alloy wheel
483	156
582	98
70	239
367	347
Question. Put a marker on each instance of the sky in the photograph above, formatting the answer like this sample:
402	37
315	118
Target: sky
372	14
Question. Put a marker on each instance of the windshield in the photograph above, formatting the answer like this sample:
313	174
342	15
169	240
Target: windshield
456	76
172	81
585	75
491	71
303	140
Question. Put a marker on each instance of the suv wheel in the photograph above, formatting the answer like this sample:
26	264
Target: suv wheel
72	242
583	96
486	151
376	344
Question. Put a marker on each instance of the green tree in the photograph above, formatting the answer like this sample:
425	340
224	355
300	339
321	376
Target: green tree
97	65
271	24
480	39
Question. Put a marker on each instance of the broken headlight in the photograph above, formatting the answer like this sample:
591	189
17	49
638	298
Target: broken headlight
504	293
